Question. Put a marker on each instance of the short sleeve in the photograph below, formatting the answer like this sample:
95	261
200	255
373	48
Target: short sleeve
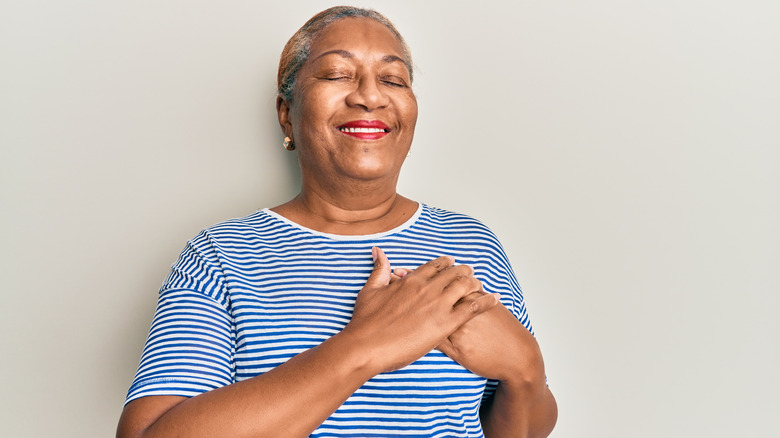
190	347
501	278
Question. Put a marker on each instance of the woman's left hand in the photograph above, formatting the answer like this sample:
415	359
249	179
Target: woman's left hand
495	345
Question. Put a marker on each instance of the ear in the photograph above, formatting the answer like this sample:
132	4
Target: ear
283	112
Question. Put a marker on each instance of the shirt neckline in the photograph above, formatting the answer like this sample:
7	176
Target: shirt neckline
409	222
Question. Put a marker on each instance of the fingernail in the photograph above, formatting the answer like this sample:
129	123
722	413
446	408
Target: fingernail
497	296
373	253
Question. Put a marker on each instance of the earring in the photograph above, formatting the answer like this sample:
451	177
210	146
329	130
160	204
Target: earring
409	154
288	144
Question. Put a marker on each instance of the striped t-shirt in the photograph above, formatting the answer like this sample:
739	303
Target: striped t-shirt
248	294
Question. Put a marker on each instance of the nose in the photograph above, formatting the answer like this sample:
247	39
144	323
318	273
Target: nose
368	94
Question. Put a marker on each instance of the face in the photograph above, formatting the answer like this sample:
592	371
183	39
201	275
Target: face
353	111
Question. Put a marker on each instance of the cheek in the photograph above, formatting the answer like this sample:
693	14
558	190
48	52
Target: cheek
315	111
409	110
306	119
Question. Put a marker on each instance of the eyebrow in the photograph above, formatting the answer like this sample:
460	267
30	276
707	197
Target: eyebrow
349	55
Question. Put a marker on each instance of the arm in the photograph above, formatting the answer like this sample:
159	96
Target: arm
519	411
385	333
523	405
266	405
497	346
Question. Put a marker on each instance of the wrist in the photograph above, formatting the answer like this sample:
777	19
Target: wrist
356	354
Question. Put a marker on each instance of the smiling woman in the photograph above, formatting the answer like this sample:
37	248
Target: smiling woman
292	322
353	113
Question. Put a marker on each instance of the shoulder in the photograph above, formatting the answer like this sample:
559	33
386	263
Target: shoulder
452	222
256	225
232	237
256	221
448	217
460	229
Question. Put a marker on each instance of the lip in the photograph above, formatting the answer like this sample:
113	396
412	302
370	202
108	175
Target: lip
364	129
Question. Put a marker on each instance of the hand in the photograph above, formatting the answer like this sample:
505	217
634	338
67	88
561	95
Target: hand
400	318
495	345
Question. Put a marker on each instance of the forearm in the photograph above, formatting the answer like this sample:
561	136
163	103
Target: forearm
291	400
523	405
526	410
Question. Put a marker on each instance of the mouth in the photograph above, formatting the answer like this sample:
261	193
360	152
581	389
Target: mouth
365	129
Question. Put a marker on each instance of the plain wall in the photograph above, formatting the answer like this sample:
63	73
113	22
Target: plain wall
626	153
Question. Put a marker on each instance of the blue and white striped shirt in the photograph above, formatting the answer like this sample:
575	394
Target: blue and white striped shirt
248	294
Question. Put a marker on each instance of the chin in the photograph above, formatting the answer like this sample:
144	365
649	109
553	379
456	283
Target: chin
374	172
372	168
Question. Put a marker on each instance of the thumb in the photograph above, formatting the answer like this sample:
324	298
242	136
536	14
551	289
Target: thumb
380	276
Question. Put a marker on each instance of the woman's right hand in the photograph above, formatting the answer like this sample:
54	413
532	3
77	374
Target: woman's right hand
400	319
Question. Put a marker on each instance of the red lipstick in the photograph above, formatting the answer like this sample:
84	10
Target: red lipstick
365	129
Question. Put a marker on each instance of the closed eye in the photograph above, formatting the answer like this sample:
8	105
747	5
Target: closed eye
393	81
336	75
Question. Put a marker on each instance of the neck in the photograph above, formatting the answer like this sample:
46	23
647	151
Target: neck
347	212
351	210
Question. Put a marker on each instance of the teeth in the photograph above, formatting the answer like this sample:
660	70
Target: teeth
367	130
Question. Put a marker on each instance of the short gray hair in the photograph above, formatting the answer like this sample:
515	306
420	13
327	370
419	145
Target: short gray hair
296	51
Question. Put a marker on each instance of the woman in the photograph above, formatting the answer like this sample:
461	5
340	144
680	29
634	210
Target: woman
291	321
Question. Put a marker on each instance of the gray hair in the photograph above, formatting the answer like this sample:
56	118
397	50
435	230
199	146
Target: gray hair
296	51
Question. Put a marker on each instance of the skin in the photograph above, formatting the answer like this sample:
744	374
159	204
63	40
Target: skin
356	72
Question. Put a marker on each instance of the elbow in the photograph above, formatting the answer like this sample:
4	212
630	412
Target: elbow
546	416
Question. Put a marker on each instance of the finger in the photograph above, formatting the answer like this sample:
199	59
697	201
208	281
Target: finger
433	267
454	276
468	309
381	274
472	296
402	272
463	286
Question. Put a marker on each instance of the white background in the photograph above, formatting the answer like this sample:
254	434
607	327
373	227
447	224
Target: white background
625	152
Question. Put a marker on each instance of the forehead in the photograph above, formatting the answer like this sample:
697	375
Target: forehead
357	35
